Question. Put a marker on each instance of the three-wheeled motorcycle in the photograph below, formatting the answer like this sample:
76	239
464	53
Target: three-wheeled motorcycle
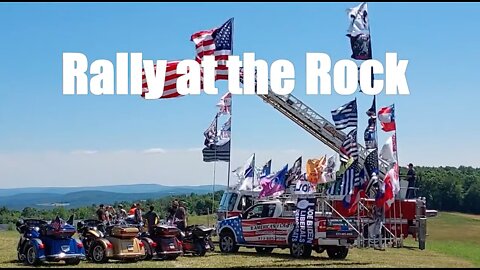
197	240
104	242
162	242
41	241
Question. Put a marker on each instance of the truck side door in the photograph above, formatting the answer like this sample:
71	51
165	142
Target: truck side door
258	224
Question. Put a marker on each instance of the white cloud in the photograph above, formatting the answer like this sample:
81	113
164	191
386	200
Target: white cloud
178	167
155	151
84	152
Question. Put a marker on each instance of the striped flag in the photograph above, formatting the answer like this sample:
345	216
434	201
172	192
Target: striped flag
350	201
349	147
217	152
345	186
346	115
171	76
217	42
217	144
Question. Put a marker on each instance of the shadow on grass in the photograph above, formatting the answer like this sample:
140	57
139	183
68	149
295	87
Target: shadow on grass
287	260
62	264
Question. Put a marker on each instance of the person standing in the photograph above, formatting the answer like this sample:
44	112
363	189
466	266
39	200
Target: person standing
151	218
171	212
138	214
181	217
411	182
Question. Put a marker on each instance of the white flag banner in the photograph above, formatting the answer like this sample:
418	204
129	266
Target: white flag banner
248	174
303	187
329	173
388	150
358	20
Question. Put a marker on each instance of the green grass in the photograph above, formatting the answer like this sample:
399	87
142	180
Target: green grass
453	241
455	234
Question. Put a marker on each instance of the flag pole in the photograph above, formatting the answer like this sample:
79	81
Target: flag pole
214	163
398	172
230	150
231	99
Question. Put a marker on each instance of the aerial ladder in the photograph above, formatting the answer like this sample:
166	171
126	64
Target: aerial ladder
316	125
323	130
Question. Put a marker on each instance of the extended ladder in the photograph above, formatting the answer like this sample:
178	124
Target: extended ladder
315	124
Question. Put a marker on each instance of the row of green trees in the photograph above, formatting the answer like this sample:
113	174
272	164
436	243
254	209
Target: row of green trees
450	188
445	188
196	205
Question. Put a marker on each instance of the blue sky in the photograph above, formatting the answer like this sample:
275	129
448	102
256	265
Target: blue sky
50	139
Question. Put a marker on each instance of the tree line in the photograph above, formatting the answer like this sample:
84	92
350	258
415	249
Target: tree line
196	205
450	188
445	188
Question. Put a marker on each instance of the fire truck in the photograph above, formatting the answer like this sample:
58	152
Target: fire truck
406	216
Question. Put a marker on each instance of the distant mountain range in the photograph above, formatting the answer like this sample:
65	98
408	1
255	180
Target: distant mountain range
47	197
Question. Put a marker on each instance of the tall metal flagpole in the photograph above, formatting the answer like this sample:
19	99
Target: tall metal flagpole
231	99
215	162
230	150
398	173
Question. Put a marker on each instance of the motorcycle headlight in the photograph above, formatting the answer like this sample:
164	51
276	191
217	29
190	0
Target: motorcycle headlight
36	229
94	228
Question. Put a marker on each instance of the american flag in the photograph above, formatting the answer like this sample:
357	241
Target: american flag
262	230
171	76
217	42
346	115
371	163
349	147
371	168
235	224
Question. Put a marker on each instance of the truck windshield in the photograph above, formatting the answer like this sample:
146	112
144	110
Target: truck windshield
227	203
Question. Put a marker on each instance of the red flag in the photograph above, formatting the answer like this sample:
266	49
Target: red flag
386	115
385	195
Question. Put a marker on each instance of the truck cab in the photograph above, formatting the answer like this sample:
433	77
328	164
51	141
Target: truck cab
269	224
234	202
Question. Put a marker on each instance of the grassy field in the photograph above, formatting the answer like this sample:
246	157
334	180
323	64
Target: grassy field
453	241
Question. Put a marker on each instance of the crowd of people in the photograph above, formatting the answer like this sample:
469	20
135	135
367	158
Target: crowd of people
176	215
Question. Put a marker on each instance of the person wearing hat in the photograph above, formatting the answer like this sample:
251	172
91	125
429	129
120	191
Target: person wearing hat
411	182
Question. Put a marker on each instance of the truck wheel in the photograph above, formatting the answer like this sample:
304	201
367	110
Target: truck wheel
264	250
298	250
227	243
337	253
98	253
74	261
31	255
